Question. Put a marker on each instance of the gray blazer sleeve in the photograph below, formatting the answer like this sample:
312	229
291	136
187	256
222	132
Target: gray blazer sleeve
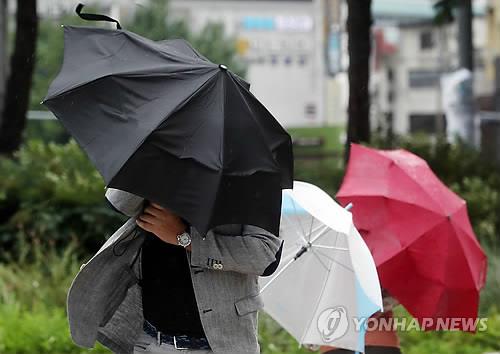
255	251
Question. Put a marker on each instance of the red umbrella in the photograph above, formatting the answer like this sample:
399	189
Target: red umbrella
419	234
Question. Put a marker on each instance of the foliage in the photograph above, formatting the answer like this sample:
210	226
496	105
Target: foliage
415	342
443	11
320	165
326	173
490	294
275	340
33	288
43	331
46	130
52	193
32	301
155	23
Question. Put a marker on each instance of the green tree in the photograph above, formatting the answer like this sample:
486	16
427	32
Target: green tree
155	22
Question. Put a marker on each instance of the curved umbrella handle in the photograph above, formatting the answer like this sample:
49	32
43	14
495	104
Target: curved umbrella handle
95	17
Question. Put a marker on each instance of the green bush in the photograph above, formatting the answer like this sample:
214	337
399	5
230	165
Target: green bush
326	173
34	284
274	339
33	289
44	331
445	342
52	193
490	295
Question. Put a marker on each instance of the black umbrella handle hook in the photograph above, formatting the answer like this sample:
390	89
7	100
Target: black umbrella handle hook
95	17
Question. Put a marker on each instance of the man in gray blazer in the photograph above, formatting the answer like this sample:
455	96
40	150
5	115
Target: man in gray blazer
219	314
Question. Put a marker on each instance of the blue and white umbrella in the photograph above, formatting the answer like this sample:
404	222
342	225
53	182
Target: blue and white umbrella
327	285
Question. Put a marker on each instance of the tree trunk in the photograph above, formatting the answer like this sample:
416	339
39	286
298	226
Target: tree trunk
19	82
465	45
3	52
359	21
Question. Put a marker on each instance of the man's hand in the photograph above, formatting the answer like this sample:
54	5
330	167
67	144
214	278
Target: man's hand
161	222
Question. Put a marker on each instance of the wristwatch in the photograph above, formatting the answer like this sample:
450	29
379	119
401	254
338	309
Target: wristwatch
184	239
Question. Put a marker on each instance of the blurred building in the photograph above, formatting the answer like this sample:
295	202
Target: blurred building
296	51
492	53
411	54
115	8
490	117
282	43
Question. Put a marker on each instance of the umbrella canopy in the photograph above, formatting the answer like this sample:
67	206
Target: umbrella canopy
159	120
419	233
327	278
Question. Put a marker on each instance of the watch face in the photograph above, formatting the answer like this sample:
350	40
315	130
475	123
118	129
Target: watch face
184	239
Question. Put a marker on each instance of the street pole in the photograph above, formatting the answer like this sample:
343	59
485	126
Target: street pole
466	61
465	43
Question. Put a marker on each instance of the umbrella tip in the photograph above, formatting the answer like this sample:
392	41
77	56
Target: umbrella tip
223	67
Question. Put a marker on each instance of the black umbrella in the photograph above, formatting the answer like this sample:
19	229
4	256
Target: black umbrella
159	120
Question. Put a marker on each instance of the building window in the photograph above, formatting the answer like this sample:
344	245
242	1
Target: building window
310	111
390	75
426	123
390	96
423	78
426	40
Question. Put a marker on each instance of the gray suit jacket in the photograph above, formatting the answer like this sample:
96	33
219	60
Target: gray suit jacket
104	301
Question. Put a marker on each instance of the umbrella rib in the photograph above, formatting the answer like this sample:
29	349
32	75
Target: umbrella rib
325	281
321	261
426	192
322	232
331	247
277	275
320	228
316	252
331	259
130	73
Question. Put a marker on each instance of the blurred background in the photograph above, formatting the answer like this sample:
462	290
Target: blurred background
419	74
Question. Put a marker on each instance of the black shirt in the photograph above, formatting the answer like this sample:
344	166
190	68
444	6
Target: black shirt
167	291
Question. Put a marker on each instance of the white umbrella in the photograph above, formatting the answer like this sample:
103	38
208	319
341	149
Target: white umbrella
327	281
